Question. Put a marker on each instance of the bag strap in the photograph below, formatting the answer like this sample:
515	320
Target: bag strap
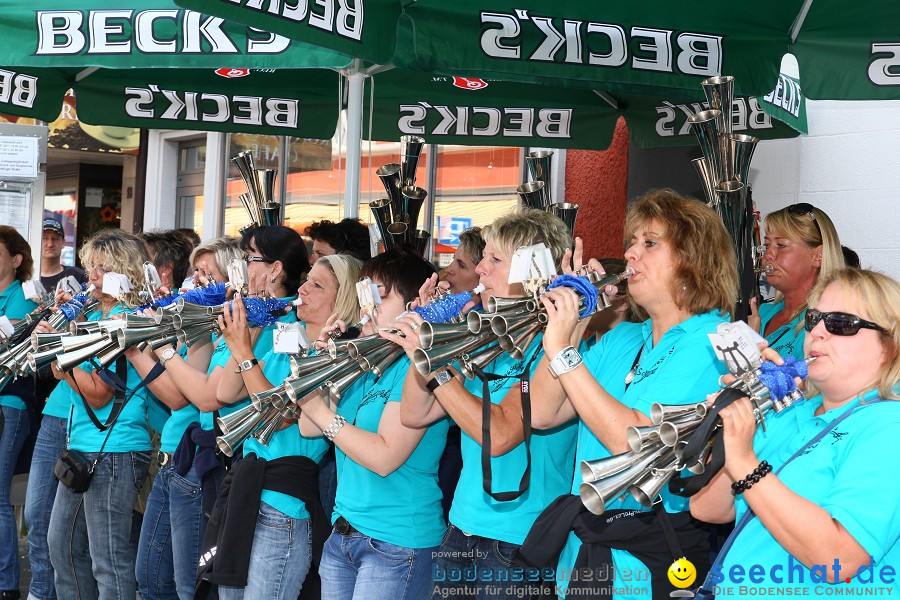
749	515
486	472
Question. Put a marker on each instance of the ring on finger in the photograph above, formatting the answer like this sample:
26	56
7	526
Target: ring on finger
722	384
414	326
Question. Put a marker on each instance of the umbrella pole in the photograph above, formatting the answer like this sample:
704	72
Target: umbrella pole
355	80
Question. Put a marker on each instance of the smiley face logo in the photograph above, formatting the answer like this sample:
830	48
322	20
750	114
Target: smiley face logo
682	573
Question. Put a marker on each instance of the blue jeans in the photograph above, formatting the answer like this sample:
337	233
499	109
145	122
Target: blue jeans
471	566
15	430
169	547
42	483
90	533
362	568
279	559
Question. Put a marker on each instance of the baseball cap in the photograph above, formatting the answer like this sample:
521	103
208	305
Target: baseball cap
54	226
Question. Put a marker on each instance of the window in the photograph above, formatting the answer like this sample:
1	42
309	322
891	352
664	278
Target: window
189	193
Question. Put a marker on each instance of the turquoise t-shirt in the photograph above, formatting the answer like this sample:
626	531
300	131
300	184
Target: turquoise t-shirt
178	421
403	508
15	307
263	346
60	400
851	473
787	340
552	451
681	369
286	442
130	432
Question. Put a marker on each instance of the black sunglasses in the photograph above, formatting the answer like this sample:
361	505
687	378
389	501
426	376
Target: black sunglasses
805	208
839	323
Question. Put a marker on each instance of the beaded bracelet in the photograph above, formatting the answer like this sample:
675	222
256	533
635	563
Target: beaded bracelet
334	427
739	487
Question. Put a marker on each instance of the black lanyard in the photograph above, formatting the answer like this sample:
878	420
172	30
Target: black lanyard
487	477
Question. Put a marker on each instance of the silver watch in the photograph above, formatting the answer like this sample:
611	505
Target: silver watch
567	360
167	355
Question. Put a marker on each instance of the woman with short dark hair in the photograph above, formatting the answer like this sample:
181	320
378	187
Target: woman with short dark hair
387	516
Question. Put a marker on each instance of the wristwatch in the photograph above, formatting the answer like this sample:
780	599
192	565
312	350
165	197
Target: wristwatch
567	360
439	379
246	365
167	355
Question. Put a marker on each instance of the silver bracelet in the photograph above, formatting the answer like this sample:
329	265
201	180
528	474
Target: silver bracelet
334	427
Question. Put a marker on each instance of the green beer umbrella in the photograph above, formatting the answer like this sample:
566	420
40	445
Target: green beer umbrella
845	50
163	67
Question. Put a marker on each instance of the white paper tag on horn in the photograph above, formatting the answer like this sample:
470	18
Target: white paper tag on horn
33	290
531	263
6	327
115	284
69	285
736	345
289	338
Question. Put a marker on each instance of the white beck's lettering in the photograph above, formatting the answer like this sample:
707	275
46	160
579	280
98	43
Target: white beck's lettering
885	70
341	17
746	114
520	36
786	95
123	31
17	89
485	121
173	105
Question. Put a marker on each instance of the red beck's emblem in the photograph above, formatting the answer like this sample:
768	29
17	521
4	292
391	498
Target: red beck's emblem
469	83
229	73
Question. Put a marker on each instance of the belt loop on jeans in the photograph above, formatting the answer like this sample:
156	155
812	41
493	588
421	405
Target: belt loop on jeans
343	527
163	458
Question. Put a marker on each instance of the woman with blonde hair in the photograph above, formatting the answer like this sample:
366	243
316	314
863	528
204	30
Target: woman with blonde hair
490	517
684	285
210	259
281	551
90	532
802	246
812	492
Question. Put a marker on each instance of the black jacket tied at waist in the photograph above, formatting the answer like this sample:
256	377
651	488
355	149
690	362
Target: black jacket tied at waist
637	532
225	558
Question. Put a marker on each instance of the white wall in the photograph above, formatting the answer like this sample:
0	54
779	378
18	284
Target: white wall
848	166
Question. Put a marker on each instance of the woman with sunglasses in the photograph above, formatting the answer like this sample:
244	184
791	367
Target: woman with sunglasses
802	246
281	550
818	487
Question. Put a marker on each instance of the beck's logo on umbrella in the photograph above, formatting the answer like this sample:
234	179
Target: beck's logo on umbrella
469	83
232	73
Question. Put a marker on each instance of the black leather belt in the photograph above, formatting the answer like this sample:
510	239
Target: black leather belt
163	458
343	527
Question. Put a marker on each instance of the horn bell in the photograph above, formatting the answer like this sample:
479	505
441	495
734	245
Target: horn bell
595	495
600	468
567	213
651	483
531	193
410	151
539	163
427	361
674	412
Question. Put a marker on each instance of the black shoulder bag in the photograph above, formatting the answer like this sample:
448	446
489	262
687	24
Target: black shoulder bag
75	470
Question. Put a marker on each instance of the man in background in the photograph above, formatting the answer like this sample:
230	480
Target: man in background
52	269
